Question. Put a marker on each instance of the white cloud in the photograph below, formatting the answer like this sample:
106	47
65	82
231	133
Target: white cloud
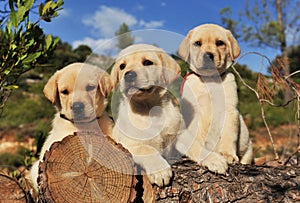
100	46
106	20
151	24
104	23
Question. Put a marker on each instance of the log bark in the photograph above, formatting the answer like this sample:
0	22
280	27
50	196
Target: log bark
242	183
11	191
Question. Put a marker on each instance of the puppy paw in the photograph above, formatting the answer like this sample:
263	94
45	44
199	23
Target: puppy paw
230	158
161	178
215	162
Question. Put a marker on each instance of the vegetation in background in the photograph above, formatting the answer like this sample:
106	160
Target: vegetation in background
124	36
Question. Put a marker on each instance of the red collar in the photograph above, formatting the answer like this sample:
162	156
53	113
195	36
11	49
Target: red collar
184	79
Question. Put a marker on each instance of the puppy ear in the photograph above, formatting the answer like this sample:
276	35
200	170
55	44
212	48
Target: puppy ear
50	89
105	84
184	47
234	48
171	67
115	75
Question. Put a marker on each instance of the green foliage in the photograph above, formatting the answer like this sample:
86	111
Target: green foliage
124	36
23	43
82	52
14	160
226	19
27	105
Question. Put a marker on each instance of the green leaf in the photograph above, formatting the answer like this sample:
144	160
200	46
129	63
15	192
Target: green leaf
30	43
21	13
48	41
6	72
13	46
23	57
46	7
56	40
13	19
28	4
41	7
32	57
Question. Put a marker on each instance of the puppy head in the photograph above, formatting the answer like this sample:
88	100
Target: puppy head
210	49
144	70
79	91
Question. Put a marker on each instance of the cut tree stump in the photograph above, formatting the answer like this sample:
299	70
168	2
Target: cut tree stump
11	191
87	167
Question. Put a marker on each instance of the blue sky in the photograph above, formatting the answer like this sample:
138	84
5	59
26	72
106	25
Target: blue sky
94	23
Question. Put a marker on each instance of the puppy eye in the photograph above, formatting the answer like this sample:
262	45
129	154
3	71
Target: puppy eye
147	62
65	92
197	44
122	66
90	88
219	43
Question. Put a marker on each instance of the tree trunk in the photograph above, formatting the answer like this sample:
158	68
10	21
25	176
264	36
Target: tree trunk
11	191
283	47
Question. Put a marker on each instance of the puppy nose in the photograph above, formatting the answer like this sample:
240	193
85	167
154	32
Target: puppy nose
210	55
130	76
78	107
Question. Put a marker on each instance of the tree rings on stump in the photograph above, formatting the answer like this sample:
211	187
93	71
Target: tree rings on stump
86	167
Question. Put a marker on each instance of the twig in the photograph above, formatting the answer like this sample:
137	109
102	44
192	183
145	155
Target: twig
262	111
290	75
278	105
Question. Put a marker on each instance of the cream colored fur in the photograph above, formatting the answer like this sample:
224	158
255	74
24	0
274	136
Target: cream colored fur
210	94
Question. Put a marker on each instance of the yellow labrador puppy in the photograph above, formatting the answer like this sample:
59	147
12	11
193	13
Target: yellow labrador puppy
209	93
149	123
79	93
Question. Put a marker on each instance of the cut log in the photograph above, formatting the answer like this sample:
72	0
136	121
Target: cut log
242	183
92	168
87	167
11	191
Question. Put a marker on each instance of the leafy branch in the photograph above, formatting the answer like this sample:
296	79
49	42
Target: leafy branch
23	43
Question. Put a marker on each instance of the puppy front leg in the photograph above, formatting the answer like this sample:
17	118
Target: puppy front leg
157	168
228	141
190	146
